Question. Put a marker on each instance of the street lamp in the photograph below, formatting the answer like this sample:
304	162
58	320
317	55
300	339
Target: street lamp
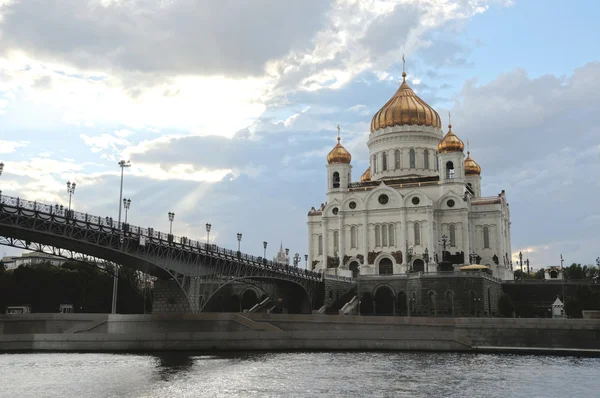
71	191
126	205
521	264
122	164
426	259
296	260
287	257
527	262
1	167
444	242
562	270
265	250
239	239
171	218
306	261
208	227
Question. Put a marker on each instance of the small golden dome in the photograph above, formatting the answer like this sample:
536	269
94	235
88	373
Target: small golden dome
339	154
471	167
405	108
450	143
366	176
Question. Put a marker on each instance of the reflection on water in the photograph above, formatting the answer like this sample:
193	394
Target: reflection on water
325	374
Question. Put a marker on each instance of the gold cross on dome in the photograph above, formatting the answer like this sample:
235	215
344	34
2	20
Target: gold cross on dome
338	128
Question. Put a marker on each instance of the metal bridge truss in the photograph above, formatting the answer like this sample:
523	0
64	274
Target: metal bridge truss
199	269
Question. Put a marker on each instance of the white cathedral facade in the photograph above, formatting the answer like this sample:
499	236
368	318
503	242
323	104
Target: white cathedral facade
419	195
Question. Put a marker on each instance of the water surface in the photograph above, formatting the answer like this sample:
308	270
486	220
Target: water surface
351	374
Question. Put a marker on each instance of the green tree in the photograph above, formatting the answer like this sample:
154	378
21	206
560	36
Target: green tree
540	274
574	271
506	307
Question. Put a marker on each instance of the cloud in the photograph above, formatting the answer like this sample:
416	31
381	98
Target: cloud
11	146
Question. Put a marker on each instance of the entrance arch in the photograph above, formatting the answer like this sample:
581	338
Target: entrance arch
249	299
354	268
384	301
418	265
386	267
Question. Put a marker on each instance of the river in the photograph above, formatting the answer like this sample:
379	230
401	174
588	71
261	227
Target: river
297	374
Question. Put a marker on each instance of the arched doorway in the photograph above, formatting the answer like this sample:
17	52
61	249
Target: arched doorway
418	265
384	301
553	274
402	304
386	267
249	299
354	268
450	301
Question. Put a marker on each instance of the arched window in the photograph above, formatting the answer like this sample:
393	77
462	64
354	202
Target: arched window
377	236
391	234
397	159
336	180
426	160
336	241
353	238
384	161
486	238
449	170
384	236
320	244
452	234
437	163
417	234
412	158
375	164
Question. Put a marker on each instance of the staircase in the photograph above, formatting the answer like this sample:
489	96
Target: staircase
337	305
349	307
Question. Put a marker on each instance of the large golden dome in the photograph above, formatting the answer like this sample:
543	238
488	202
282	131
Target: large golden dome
450	142
339	154
405	108
366	176
471	167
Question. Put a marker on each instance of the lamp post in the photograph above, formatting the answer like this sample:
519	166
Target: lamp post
171	218
122	164
562	271
521	265
306	261
208	226
126	205
527	262
358	288
265	250
1	168
444	243
287	257
296	260
239	239
71	191
426	259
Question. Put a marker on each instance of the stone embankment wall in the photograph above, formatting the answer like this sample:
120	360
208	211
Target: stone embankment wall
229	331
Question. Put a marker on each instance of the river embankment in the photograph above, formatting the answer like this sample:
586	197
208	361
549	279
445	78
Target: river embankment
230	331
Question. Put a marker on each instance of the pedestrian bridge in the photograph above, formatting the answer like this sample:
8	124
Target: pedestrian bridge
200	269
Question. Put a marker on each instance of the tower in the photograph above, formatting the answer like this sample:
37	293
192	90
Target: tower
338	168
472	176
450	155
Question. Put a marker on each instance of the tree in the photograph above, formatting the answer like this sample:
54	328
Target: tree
540	274
574	271
506	307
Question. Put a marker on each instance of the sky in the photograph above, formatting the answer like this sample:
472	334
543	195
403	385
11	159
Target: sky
227	109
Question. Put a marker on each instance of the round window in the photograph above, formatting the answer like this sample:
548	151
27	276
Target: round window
450	203
415	201
352	205
335	211
383	199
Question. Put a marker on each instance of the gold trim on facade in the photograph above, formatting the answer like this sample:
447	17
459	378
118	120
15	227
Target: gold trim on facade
366	176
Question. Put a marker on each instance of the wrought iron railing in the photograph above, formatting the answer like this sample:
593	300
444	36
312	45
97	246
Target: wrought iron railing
127	230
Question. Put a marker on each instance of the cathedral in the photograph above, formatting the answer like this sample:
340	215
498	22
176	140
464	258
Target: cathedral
418	207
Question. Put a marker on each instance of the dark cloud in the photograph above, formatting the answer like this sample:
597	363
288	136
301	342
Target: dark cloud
204	37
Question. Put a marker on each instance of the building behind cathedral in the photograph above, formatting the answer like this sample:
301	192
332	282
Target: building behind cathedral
419	191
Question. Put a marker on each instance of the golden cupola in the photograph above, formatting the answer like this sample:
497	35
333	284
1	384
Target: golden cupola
471	167
405	108
450	143
366	176
339	154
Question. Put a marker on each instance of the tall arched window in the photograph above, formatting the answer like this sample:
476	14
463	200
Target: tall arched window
412	158
417	234
391	234
377	236
486	238
336	241
375	164
397	159
336	180
353	238
320	244
384	236
384	161
426	160
452	234
449	170
437	163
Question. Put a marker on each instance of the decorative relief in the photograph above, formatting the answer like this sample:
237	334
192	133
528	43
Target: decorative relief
397	256
346	259
360	258
372	256
314	263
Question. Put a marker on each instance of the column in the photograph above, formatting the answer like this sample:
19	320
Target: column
465	233
365	237
325	243
342	237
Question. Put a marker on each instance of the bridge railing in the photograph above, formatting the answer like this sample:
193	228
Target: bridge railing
61	213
